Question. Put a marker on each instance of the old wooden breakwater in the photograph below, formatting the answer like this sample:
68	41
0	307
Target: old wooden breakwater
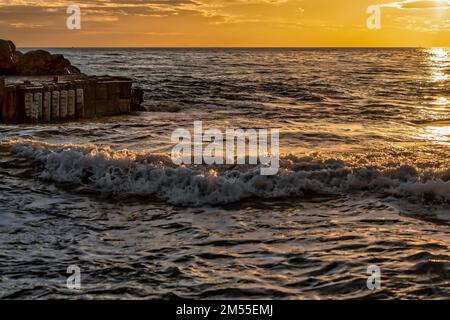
63	98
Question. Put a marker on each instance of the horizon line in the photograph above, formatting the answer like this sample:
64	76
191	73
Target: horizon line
233	47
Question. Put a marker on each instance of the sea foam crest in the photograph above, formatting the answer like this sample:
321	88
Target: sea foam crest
125	173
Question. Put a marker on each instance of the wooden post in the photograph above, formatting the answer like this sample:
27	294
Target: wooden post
2	94
10	112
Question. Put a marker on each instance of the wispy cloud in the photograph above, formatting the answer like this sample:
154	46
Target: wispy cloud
419	4
213	12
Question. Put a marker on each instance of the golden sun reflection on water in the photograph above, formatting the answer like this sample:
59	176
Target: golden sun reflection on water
438	54
439	76
439	60
441	101
437	133
438	107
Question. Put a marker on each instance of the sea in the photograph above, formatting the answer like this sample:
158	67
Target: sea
363	184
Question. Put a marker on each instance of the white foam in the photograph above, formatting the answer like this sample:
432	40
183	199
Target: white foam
126	173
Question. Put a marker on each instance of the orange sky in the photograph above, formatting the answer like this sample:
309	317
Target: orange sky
202	23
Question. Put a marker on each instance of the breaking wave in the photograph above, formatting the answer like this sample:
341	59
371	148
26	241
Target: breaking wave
126	173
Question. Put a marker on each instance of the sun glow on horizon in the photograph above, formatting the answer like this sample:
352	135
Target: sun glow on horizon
222	23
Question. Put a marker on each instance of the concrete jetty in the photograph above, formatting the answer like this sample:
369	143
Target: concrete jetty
45	99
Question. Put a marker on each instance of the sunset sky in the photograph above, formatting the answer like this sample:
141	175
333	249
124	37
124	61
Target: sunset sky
202	23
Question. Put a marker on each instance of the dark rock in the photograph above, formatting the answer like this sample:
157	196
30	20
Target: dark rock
33	63
137	98
40	62
17	56
7	53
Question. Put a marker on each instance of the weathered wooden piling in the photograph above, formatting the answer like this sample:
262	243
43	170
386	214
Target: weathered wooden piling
2	89
50	99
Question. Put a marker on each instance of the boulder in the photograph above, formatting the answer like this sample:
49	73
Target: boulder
7	53
40	63
17	56
33	63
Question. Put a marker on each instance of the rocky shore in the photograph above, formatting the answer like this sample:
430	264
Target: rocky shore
32	63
